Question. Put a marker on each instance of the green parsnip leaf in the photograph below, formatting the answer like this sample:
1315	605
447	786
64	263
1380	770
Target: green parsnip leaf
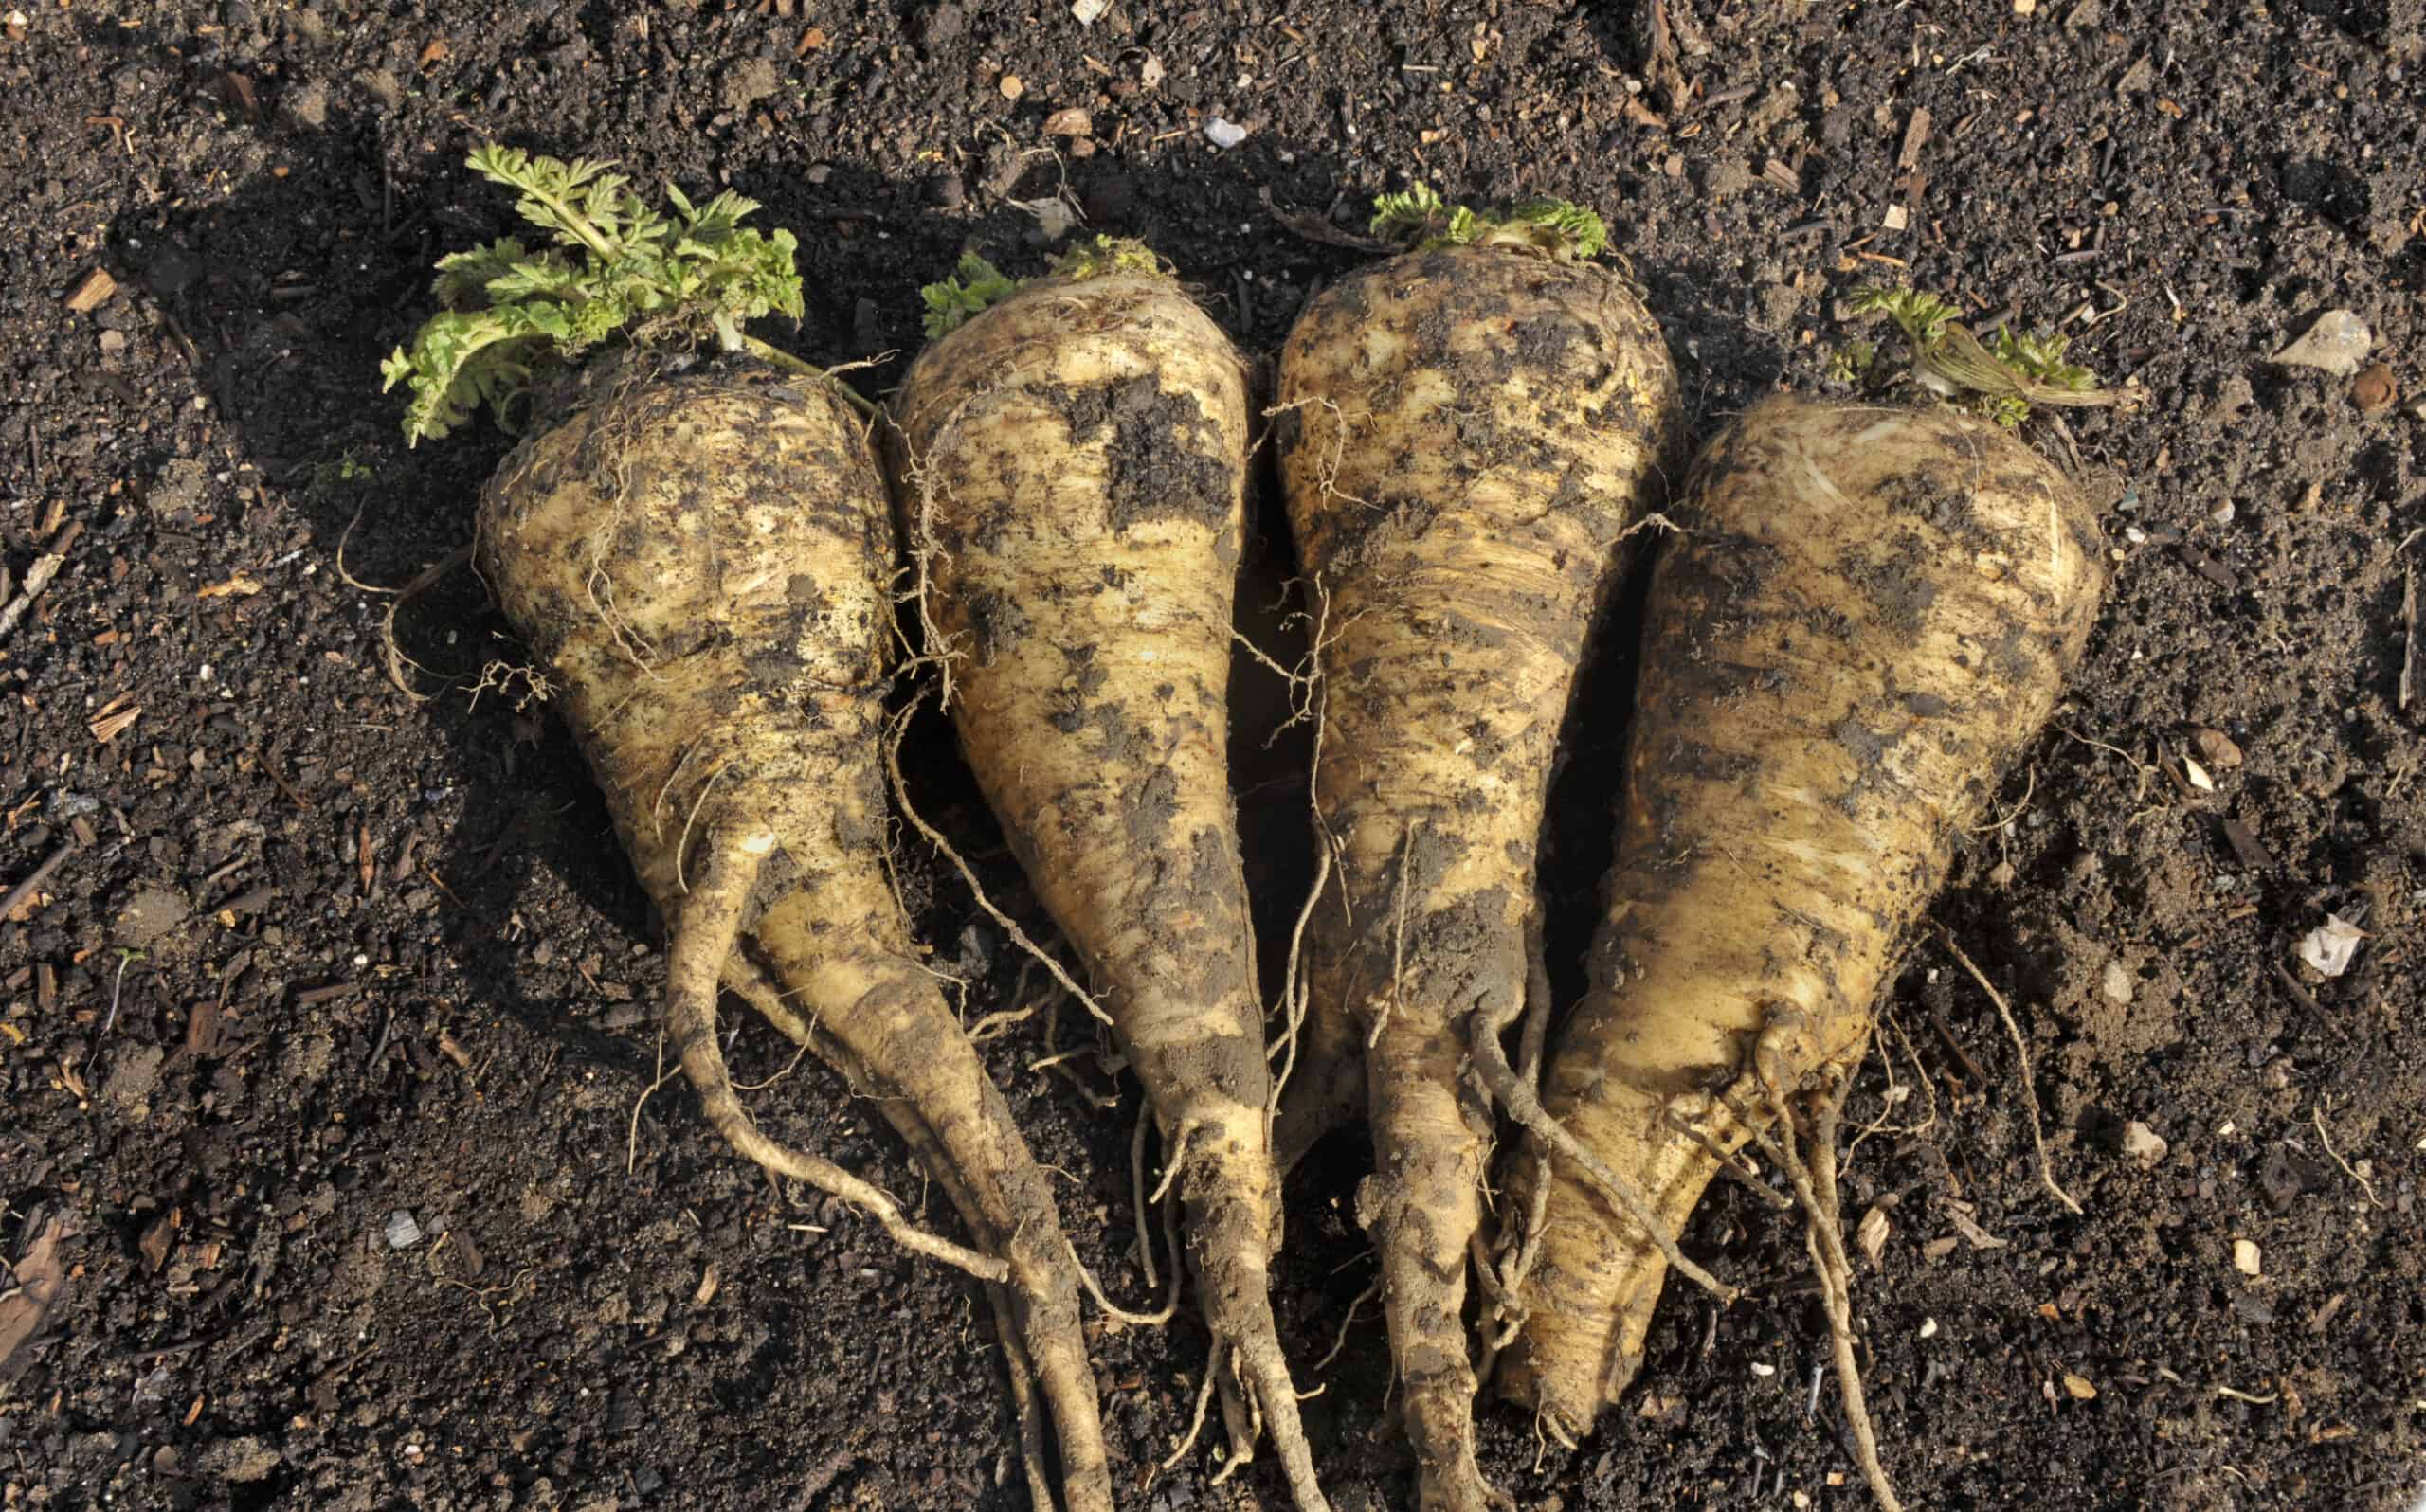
1422	220
618	268
975	285
2000	378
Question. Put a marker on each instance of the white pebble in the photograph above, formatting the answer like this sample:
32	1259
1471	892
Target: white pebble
1222	134
2336	344
402	1233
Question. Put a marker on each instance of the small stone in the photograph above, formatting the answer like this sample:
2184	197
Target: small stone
2144	1143
1055	219
134	1076
402	1232
1928	1328
381	86
112	342
2197	775
2373	390
2217	746
1087	12
2079	1389
2336	344
1069	121
1763	1369
2246	1257
944	24
1223	135
750	81
1011	86
306	105
147	916
2331	946
2117	986
1896	218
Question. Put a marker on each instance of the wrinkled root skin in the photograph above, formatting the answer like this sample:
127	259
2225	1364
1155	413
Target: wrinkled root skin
1074	465
699	562
1872	612
1466	435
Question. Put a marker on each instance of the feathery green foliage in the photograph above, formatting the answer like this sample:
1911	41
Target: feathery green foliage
974	286
1107	255
1921	317
1419	218
2000	378
613	265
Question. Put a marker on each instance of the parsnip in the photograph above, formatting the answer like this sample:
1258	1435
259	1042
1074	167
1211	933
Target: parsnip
1074	465
699	557
1467	434
1872	609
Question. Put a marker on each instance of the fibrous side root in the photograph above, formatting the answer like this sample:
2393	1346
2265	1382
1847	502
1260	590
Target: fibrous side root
1815	1189
703	935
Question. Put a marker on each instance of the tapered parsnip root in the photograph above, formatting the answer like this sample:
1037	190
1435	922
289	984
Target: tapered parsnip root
1074	463
1871	610
977	1155
1466	435
701	562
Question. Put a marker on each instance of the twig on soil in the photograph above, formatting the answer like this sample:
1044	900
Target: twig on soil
2316	1116
38	576
34	879
2021	1048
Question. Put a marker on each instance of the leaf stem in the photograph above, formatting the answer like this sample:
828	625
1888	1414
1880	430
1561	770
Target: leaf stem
777	357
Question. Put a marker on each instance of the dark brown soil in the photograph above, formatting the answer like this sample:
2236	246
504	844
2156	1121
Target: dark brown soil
315	955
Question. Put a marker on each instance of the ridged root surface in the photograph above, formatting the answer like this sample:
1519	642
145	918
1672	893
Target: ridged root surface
1466	435
1074	465
699	563
1869	612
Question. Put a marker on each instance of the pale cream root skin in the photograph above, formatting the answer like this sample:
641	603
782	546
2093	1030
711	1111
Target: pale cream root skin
1466	435
702	564
1073	472
1869	612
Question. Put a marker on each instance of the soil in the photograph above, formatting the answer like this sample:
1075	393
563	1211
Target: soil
322	1039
